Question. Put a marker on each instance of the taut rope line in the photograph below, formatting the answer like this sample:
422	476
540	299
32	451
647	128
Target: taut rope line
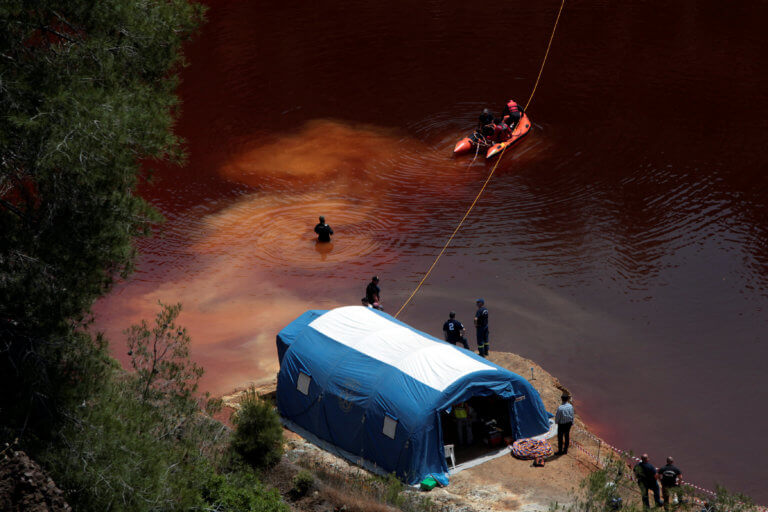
490	175
546	54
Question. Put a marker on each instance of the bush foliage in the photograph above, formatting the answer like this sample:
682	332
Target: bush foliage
258	436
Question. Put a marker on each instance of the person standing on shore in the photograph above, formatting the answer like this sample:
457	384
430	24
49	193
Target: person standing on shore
481	328
372	293
454	331
564	418
323	230
671	478
645	473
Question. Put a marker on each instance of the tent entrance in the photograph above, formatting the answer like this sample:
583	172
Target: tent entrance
483	431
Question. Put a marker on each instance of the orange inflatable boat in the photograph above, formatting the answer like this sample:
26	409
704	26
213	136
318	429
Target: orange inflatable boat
471	143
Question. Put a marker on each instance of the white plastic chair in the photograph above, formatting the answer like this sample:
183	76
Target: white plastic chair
449	454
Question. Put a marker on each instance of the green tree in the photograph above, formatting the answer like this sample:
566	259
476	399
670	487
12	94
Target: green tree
258	436
86	95
160	356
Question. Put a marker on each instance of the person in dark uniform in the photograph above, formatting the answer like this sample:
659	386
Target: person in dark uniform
323	231
454	331
481	328
372	293
645	473
485	118
671	478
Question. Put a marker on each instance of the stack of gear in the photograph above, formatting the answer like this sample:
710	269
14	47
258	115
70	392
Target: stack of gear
494	436
527	449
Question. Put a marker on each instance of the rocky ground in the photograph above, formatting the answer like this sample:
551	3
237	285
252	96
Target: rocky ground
502	484
24	486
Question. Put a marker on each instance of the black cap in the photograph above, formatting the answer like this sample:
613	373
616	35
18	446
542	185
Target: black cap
375	278
452	314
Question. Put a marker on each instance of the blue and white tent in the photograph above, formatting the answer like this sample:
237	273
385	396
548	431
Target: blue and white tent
373	387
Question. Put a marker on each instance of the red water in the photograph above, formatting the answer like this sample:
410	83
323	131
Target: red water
623	245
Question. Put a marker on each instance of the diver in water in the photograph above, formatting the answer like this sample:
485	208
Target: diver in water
323	230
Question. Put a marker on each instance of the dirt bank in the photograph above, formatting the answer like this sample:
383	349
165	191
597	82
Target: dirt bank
502	484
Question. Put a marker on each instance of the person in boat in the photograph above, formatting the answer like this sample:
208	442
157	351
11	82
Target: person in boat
323	230
512	113
501	131
484	136
486	117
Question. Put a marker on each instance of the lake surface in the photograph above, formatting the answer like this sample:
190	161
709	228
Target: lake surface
623	245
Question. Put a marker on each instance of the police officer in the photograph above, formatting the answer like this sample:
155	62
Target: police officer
454	331
645	473
564	417
671	477
323	231
372	293
481	328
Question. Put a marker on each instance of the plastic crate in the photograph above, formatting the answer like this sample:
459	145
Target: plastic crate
428	484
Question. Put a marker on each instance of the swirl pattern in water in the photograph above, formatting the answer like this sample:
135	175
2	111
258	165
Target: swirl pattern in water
277	232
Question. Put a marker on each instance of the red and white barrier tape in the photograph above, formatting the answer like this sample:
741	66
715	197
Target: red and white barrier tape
627	455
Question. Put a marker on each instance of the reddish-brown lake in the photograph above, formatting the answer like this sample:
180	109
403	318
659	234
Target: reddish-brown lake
623	245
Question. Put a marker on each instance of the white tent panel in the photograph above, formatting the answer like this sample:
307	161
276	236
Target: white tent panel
434	364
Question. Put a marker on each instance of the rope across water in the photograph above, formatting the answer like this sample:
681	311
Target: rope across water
490	175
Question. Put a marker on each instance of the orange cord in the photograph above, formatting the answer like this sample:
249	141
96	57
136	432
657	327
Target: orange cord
488	179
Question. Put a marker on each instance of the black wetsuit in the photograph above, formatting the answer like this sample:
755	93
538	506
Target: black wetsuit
484	119
372	292
324	232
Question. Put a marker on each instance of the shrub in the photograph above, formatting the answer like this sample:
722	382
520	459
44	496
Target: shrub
302	483
258	436
240	491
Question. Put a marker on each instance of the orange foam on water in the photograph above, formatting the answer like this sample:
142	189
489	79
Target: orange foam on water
321	148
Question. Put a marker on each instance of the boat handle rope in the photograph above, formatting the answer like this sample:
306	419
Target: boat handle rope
490	175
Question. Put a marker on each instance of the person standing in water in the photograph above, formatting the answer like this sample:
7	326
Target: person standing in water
323	230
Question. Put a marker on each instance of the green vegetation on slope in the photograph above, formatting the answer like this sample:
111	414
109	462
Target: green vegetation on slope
86	94
87	99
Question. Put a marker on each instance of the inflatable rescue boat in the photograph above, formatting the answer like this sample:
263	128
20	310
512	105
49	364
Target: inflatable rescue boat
472	142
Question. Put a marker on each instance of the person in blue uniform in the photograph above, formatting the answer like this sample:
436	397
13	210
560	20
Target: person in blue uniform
454	331
323	231
481	328
645	473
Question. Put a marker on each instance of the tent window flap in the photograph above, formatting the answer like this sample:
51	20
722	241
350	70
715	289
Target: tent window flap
390	426
302	383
